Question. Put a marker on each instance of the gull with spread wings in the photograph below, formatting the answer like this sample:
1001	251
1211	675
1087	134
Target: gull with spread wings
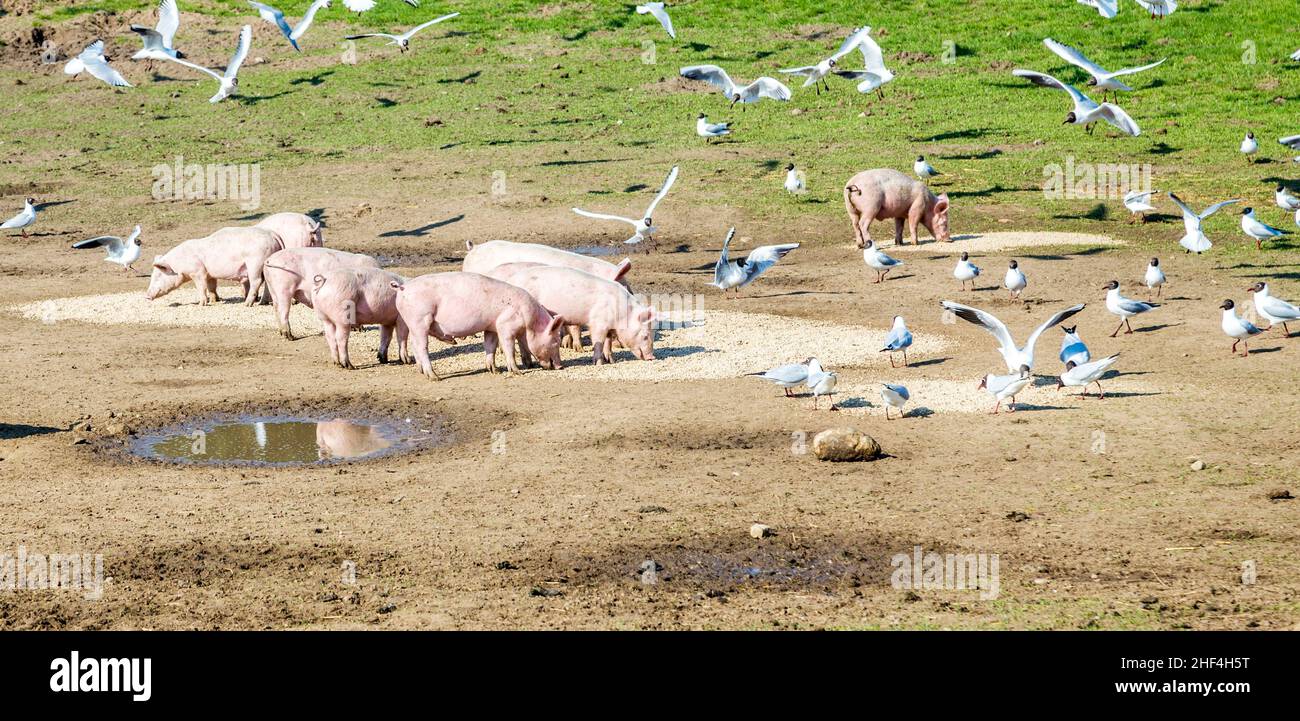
1085	111
643	229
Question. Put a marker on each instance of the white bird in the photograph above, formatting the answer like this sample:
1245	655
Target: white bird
159	42
787	376
821	383
1236	328
661	14
360	6
1015	280
1274	310
728	274
878	261
1073	348
91	60
1139	202
1295	55
1014	357
1285	200
1249	146
1257	230
1099	77
1085	111
1081	375
1292	141
23	220
899	339
923	170
403	41
1106	8
644	228
1159	8
276	17
708	131
966	271
1155	277
874	73
123	252
793	180
1194	241
894	396
763	87
1123	307
1004	387
814	75
229	80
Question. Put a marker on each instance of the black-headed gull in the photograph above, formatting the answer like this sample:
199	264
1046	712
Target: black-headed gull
1249	146
874	73
1155	277
815	75
1081	375
1106	8
709	131
793	180
1237	328
1099	77
660	13
1159	8
788	376
821	383
894	396
966	271
1274	310
1285	200
1006	387
1014	357
1139	203
403	41
124	252
1123	307
229	79
92	60
1086	111
923	169
876	259
1015	280
275	16
1194	241
1072	346
728	274
159	41
899	339
1261	232
763	87
643	228
24	219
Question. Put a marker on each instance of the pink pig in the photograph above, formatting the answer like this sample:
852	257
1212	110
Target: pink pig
347	298
295	229
458	305
582	299
228	254
485	256
290	272
884	193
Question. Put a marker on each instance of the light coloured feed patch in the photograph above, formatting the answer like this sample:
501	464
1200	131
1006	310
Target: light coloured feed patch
997	242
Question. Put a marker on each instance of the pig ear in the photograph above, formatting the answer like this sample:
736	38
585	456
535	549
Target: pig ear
942	203
646	315
555	324
623	268
163	267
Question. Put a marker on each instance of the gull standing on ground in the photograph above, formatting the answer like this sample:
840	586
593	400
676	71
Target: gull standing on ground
1014	357
1073	347
728	274
794	180
763	87
1285	200
1123	307
276	17
1249	146
91	60
1274	310
1257	230
878	261
787	376
643	229
123	252
1194	241
1238	329
1159	8
821	383
403	41
924	171
1106	8
159	41
1004	387
1154	278
709	131
966	271
229	80
661	14
1098	76
1085	111
894	396
24	219
874	73
1015	280
1081	375
899	339
1139	203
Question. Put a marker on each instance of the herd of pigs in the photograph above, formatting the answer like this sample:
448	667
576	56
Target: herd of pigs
534	295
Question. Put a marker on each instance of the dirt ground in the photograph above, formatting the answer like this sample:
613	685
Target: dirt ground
558	486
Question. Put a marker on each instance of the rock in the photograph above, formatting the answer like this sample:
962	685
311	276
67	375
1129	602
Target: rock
649	571
506	566
845	444
758	530
1280	494
1017	516
652	509
1198	465
388	607
545	592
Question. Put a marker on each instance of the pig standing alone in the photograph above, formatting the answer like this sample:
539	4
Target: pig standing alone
582	299
484	257
290	273
883	193
458	305
347	298
228	254
295	229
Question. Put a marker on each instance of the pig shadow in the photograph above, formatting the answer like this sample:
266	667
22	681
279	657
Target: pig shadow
13	431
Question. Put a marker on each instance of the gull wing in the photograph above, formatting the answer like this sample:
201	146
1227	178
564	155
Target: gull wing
410	33
1048	81
113	243
301	28
601	216
1291	141
1062	315
1116	116
93	58
987	321
805	70
711	74
762	258
764	87
192	66
1075	58
169	19
873	58
900	390
1215	208
657	10
272	15
720	268
668	183
1130	71
241	52
852	41
1191	221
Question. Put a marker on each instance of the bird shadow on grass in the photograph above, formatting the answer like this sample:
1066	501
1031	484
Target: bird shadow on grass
792	293
42	206
986	155
422	230
255	99
985	193
1154	328
954	134
566	163
314	80
12	431
1162	218
462	79
1096	212
1274	349
1163	148
635	188
1053	256
387	102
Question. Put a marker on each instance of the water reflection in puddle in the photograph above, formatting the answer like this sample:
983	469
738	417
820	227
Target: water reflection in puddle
278	441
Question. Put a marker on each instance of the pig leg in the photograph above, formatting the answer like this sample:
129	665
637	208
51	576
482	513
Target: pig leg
607	347
212	289
913	217
490	350
508	350
385	337
419	340
342	331
282	302
402	333
525	358
203	283
855	215
600	345
898	231
328	327
254	286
